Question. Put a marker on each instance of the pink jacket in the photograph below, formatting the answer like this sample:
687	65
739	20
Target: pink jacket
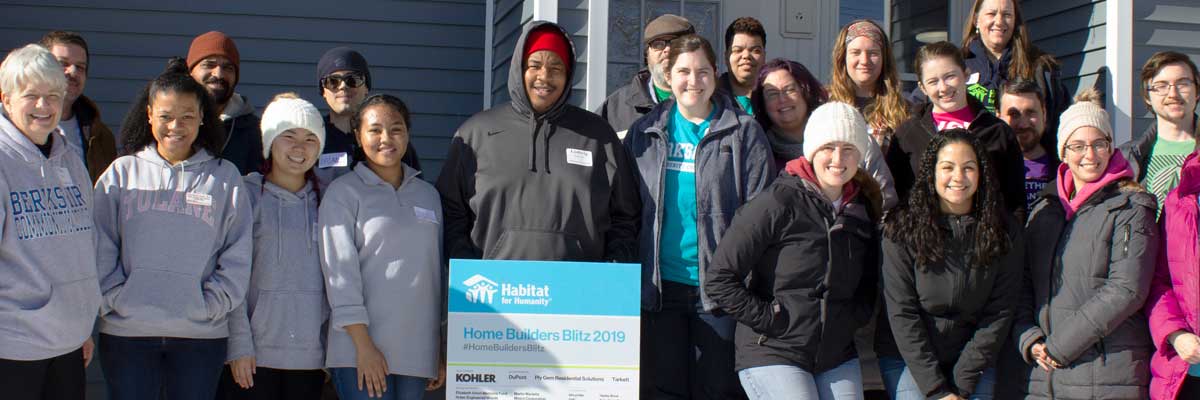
1175	292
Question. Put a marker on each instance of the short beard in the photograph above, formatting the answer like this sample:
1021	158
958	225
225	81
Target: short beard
658	75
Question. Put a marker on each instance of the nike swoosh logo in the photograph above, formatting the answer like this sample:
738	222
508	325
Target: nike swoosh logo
494	133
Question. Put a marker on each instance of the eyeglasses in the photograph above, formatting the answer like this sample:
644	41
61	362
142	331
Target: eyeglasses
1101	146
659	44
1182	86
332	82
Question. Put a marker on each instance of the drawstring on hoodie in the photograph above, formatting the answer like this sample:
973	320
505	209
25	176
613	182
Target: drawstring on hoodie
537	127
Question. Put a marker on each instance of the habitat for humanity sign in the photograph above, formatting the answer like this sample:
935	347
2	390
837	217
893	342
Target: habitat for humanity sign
535	330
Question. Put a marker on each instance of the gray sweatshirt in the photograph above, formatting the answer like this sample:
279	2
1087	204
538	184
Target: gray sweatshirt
48	290
173	247
381	252
281	322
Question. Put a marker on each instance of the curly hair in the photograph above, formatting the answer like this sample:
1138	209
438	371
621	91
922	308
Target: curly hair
889	109
135	130
810	88
916	223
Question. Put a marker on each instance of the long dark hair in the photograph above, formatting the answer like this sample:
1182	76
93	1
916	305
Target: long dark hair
135	130
385	99
917	226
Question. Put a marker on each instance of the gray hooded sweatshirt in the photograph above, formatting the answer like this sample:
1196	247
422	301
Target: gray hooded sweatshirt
381	252
174	243
48	290
281	323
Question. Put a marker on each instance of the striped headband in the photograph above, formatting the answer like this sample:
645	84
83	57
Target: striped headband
864	28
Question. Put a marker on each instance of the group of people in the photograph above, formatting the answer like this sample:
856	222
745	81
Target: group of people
982	235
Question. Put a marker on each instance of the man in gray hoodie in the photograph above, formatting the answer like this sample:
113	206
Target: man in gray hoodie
48	288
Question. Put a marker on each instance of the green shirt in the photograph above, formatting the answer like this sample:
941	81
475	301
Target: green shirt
660	94
1164	165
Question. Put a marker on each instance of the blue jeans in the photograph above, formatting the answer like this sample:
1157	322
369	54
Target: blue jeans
787	382
690	351
399	387
141	368
901	386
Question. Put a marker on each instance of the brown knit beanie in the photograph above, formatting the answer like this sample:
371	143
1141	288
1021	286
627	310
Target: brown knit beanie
210	44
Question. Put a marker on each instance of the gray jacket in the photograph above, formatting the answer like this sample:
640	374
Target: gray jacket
628	104
733	163
1086	280
281	322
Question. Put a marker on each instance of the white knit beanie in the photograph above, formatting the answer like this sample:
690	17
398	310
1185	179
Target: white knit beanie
835	122
290	113
1087	111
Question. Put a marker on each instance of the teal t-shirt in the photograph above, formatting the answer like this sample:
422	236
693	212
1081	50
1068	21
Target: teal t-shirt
679	254
744	101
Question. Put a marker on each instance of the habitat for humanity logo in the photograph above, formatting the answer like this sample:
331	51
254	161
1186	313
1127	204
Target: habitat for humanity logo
482	290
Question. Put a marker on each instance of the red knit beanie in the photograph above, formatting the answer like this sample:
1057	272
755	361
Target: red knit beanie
210	44
548	37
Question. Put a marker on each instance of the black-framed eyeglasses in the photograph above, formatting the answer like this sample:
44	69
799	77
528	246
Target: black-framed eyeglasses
659	44
332	82
1101	146
1162	88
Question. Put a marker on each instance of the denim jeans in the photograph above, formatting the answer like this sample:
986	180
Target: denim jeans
399	387
690	350
141	368
901	385
778	382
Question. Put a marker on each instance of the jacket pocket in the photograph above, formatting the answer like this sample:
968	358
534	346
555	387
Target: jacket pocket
798	321
288	319
534	244
153	295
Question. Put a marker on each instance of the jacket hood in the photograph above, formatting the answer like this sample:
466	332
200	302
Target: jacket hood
800	167
861	184
12	138
150	153
238	106
516	74
1189	176
1118	168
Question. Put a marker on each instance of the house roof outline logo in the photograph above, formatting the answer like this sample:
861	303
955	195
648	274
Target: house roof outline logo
480	289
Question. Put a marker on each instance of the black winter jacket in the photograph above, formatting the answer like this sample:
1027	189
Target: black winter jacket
948	320
629	103
1005	157
558	185
799	276
1086	280
243	136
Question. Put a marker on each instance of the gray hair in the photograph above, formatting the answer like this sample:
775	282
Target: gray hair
30	65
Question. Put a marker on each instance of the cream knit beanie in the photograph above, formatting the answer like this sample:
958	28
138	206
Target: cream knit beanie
1087	111
290	112
835	122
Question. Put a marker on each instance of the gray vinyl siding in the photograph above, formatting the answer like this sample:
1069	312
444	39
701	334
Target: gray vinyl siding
1161	25
573	16
1074	32
850	10
508	19
425	52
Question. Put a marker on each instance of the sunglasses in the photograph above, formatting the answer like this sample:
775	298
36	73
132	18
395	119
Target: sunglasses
332	82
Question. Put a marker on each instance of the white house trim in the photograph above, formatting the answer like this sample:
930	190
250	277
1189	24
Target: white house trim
1118	58
545	10
489	34
596	80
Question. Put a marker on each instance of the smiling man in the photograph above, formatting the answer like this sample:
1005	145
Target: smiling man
1170	90
80	123
344	79
745	52
537	178
214	61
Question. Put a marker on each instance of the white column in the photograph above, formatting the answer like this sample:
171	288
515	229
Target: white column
489	33
1118	56
545	10
596	80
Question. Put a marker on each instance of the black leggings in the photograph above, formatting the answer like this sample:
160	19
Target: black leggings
58	378
273	384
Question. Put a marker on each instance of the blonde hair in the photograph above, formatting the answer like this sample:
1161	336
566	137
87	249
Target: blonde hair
889	109
31	65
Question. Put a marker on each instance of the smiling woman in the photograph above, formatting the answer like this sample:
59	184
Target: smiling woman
33	89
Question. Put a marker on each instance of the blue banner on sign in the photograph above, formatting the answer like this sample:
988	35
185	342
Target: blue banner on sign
545	287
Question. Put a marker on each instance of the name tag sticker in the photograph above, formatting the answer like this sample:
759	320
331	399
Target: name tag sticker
334	160
199	199
425	214
579	157
973	79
